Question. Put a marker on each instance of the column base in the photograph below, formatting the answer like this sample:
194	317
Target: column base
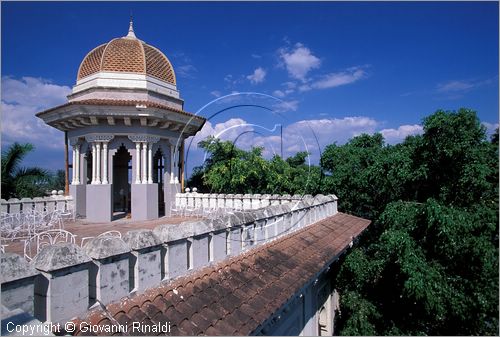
144	201
99	203
78	192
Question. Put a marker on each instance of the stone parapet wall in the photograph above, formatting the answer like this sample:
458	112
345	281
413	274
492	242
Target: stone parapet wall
25	205
65	280
234	201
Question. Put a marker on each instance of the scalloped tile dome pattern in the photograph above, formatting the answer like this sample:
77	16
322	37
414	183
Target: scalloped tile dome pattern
128	55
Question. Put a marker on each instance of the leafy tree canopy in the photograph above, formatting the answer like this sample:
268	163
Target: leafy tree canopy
229	169
428	264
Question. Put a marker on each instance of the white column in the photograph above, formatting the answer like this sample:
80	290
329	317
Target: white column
73	175
105	155
77	169
94	159
98	164
137	163
150	163
171	164
144	178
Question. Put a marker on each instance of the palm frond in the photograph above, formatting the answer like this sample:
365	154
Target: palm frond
31	173
13	156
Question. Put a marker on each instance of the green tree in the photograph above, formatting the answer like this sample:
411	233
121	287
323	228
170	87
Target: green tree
429	264
454	158
229	169
352	174
20	181
433	271
56	181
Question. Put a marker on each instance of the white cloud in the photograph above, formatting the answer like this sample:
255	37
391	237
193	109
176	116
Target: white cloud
333	80
490	128
311	135
304	87
186	71
285	106
454	86
299	61
233	81
21	100
256	56
278	93
393	136
258	76
31	91
216	93
227	130
307	135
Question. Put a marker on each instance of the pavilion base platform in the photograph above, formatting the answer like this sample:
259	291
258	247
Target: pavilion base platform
78	192
99	203
144	201
170	190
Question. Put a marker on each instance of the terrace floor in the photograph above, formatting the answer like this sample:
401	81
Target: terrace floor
82	228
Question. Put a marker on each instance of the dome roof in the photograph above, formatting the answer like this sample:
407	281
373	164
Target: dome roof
127	55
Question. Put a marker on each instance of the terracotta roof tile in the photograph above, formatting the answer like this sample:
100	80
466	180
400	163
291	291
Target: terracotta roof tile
236	295
201	322
209	315
173	315
92	62
121	102
122	318
189	327
222	327
219	310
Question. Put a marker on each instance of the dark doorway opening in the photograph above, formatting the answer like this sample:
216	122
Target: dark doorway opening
122	171
88	160
158	171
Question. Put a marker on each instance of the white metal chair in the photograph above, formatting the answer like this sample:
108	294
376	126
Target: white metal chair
34	245
64	212
9	226
178	210
112	233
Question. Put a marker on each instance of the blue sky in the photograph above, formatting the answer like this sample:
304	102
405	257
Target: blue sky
339	68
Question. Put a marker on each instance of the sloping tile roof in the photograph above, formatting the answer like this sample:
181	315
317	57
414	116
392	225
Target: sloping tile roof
236	295
115	102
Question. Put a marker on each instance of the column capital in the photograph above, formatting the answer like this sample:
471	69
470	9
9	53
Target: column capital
144	138
99	138
75	141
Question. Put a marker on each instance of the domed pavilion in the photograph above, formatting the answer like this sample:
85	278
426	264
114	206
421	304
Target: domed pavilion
126	124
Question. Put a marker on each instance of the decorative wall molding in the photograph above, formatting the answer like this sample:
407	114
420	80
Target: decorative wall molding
99	138
144	138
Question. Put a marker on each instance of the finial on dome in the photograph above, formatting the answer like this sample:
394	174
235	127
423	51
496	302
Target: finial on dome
131	27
